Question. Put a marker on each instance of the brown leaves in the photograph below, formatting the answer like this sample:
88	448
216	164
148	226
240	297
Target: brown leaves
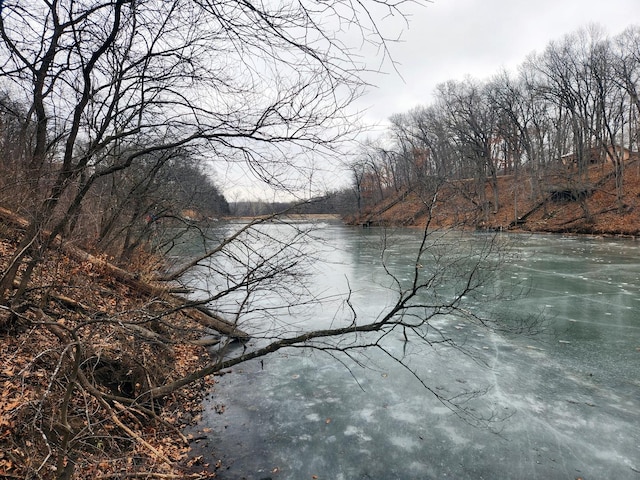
6	465
13	395
36	371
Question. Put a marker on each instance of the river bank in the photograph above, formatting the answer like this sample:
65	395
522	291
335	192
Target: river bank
593	207
77	356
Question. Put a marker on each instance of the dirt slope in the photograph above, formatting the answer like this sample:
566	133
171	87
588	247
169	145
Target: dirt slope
551	210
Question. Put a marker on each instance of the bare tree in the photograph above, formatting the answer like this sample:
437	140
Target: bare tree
113	91
627	68
611	106
107	83
473	122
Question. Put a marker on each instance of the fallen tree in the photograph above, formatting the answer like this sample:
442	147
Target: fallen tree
141	287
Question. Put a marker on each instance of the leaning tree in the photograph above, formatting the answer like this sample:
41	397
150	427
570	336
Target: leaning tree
108	83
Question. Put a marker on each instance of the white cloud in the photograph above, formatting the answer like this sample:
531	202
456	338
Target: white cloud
449	39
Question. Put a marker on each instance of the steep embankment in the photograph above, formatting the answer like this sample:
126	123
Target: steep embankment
559	203
79	354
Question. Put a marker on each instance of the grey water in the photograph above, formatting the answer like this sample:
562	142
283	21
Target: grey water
559	402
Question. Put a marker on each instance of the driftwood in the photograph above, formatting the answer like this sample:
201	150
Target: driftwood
197	313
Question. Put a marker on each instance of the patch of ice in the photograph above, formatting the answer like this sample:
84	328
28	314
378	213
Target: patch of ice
352	431
454	435
367	414
418	467
403	415
405	443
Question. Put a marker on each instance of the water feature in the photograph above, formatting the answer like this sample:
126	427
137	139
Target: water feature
561	404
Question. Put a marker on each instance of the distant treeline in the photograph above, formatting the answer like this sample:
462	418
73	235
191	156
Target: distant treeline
340	202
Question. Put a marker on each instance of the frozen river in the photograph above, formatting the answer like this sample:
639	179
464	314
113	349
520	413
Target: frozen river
561	404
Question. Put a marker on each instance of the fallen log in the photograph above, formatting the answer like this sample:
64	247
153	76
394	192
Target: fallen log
197	313
209	319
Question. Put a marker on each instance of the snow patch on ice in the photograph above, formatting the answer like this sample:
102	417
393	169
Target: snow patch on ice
353	431
403	442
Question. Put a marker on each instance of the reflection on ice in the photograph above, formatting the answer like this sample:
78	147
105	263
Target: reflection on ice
561	405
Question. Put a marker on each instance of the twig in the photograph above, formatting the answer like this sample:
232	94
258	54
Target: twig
151	475
133	434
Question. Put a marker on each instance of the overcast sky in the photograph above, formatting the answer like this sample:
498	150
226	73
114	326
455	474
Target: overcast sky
449	39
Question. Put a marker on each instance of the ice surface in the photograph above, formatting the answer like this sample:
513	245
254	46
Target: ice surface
564	404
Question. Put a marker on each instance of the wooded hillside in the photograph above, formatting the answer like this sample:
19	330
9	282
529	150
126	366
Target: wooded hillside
81	356
591	207
561	132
